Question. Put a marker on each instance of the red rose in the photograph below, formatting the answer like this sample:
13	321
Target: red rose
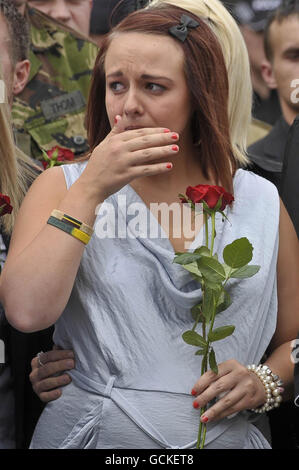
210	194
5	207
57	154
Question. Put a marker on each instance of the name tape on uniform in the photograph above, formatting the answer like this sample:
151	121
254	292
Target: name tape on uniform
63	104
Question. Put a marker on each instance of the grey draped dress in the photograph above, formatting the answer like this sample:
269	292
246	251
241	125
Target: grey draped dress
130	304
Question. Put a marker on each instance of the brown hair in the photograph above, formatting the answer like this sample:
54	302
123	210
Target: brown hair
287	9
206	76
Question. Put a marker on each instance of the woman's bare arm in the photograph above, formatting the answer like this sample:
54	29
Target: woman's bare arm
43	261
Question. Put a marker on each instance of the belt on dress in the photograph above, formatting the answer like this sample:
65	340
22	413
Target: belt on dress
84	434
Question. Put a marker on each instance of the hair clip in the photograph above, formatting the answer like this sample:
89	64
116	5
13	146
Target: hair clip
180	31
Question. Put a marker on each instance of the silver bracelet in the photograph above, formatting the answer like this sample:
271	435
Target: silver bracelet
272	384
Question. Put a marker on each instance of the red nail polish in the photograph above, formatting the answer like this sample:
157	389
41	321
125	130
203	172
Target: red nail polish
175	148
166	131
115	120
193	392
204	419
169	166
174	136
195	404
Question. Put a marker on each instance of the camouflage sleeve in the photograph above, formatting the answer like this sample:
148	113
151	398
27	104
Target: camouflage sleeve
51	109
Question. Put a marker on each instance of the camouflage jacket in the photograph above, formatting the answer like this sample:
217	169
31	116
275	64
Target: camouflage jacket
50	110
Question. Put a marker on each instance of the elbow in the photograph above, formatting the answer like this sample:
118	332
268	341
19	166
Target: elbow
18	319
16	313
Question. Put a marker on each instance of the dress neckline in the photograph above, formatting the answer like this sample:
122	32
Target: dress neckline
167	244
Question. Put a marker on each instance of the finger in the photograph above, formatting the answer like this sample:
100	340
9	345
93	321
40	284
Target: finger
57	355
149	170
50	369
233	402
56	347
216	388
150	155
118	126
209	377
34	363
139	139
51	383
46	397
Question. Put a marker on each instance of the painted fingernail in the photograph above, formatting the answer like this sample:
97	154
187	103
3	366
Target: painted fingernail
204	419
169	166
195	404
193	392
175	148
166	131
174	136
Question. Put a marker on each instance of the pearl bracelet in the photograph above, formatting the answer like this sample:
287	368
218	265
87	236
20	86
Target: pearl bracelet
272	384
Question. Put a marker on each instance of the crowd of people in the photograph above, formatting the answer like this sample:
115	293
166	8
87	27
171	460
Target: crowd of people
108	100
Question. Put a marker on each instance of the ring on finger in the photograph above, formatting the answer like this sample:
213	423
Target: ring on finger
40	363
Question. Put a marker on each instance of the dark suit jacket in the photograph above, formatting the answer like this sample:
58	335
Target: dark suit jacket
267	154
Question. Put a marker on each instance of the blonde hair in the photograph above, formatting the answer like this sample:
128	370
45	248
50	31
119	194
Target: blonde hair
16	169
237	63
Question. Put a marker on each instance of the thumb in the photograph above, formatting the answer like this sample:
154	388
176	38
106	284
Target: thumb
117	128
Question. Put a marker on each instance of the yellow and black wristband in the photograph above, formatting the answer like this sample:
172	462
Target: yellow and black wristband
70	229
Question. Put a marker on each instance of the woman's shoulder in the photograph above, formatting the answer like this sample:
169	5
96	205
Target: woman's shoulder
72	171
256	199
246	181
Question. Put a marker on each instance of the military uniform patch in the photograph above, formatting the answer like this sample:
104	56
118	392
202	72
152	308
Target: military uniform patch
50	111
64	104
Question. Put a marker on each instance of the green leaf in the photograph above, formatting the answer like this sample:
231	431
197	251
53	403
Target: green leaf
196	311
238	253
224	302
215	286
193	268
194	339
206	208
208	303
202	250
246	271
186	258
55	154
219	204
212	361
224	216
221	333
228	270
200	352
211	269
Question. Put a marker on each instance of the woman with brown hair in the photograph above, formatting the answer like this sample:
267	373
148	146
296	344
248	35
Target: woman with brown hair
157	123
